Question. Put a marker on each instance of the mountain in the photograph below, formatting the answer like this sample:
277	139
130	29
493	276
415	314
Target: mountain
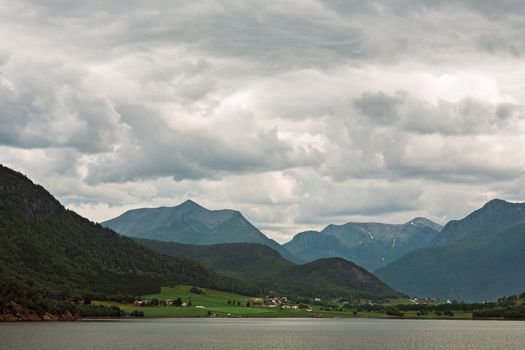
370	245
49	254
334	277
264	267
191	223
474	259
494	217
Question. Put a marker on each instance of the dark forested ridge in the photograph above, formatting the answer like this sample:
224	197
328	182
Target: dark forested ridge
251	262
265	268
49	255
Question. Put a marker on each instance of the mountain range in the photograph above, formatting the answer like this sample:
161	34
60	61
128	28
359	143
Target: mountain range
371	245
191	223
480	257
473	259
50	256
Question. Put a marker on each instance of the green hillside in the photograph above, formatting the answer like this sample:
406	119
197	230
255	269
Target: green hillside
49	254
251	262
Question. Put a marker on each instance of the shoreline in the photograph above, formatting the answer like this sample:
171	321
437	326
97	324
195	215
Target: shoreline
54	319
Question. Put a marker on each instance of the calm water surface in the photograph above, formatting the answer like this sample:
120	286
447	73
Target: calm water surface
196	334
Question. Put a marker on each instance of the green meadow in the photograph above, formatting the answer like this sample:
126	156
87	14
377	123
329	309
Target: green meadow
224	304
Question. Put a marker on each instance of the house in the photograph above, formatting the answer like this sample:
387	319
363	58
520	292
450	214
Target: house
276	300
137	303
141	303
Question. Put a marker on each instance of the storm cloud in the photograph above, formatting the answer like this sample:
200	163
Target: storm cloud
298	113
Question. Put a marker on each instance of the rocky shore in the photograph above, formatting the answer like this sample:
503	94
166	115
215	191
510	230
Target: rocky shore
21	314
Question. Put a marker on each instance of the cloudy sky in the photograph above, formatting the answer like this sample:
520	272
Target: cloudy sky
299	113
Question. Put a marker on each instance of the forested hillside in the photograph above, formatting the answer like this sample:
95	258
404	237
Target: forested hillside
50	255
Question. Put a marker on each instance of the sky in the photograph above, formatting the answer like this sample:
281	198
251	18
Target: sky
298	113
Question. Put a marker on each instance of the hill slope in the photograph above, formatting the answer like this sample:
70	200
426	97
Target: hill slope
333	277
478	272
50	253
191	223
473	261
370	245
252	262
265	268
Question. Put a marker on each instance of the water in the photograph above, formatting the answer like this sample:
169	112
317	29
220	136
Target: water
289	334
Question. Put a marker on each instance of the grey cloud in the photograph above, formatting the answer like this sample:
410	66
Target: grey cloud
468	116
44	105
157	151
379	106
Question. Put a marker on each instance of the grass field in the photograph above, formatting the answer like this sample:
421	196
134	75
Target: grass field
217	303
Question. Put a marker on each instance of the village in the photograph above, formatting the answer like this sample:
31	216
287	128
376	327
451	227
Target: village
281	302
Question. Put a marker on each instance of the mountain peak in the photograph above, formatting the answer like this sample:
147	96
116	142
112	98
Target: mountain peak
425	222
494	217
190	204
496	202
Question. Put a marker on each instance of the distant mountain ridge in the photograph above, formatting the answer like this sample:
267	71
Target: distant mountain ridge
190	223
479	257
370	245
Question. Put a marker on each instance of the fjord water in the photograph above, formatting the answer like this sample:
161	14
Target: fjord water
289	334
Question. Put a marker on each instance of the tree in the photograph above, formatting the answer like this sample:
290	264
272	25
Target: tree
196	290
178	302
248	304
